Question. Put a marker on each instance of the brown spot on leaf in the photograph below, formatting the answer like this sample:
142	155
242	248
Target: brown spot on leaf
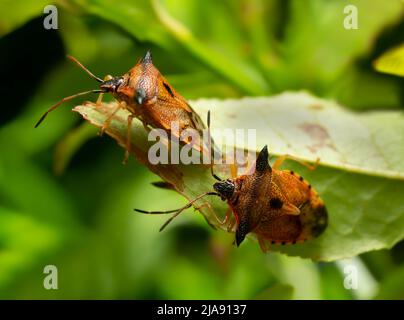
318	134
315	131
316	106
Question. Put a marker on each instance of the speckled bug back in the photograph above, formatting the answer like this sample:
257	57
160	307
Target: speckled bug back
278	206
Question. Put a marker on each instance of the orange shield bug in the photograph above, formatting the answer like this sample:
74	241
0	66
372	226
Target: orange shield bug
277	206
147	95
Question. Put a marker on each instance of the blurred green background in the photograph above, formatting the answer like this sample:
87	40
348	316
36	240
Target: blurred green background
65	198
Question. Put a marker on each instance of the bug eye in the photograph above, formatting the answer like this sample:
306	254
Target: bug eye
112	84
140	96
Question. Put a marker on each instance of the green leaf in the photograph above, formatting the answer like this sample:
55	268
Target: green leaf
13	14
31	189
276	292
364	90
24	241
68	146
332	283
392	61
317	48
136	17
392	286
303	275
360	177
149	20
236	70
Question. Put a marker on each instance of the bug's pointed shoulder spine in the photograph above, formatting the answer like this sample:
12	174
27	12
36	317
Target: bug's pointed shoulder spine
262	163
147	58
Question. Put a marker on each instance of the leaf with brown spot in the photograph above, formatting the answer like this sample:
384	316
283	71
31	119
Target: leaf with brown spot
360	178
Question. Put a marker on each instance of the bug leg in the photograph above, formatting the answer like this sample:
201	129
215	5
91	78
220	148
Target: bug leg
228	221
263	244
226	217
231	225
128	137
99	99
107	122
177	211
212	211
205	204
281	159
145	126
233	170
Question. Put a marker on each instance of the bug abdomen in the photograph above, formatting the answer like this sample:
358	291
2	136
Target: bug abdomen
288	229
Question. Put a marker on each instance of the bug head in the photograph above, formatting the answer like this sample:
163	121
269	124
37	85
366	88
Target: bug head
106	86
225	188
137	86
112	85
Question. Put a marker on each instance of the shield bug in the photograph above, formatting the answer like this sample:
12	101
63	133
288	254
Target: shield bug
277	206
147	95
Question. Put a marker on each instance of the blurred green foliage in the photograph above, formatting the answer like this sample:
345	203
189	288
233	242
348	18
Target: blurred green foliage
83	222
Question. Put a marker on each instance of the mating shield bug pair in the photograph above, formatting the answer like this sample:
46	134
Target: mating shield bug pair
278	206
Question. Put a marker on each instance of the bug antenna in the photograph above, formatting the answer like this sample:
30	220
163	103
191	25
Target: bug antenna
71	58
176	211
64	100
211	150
